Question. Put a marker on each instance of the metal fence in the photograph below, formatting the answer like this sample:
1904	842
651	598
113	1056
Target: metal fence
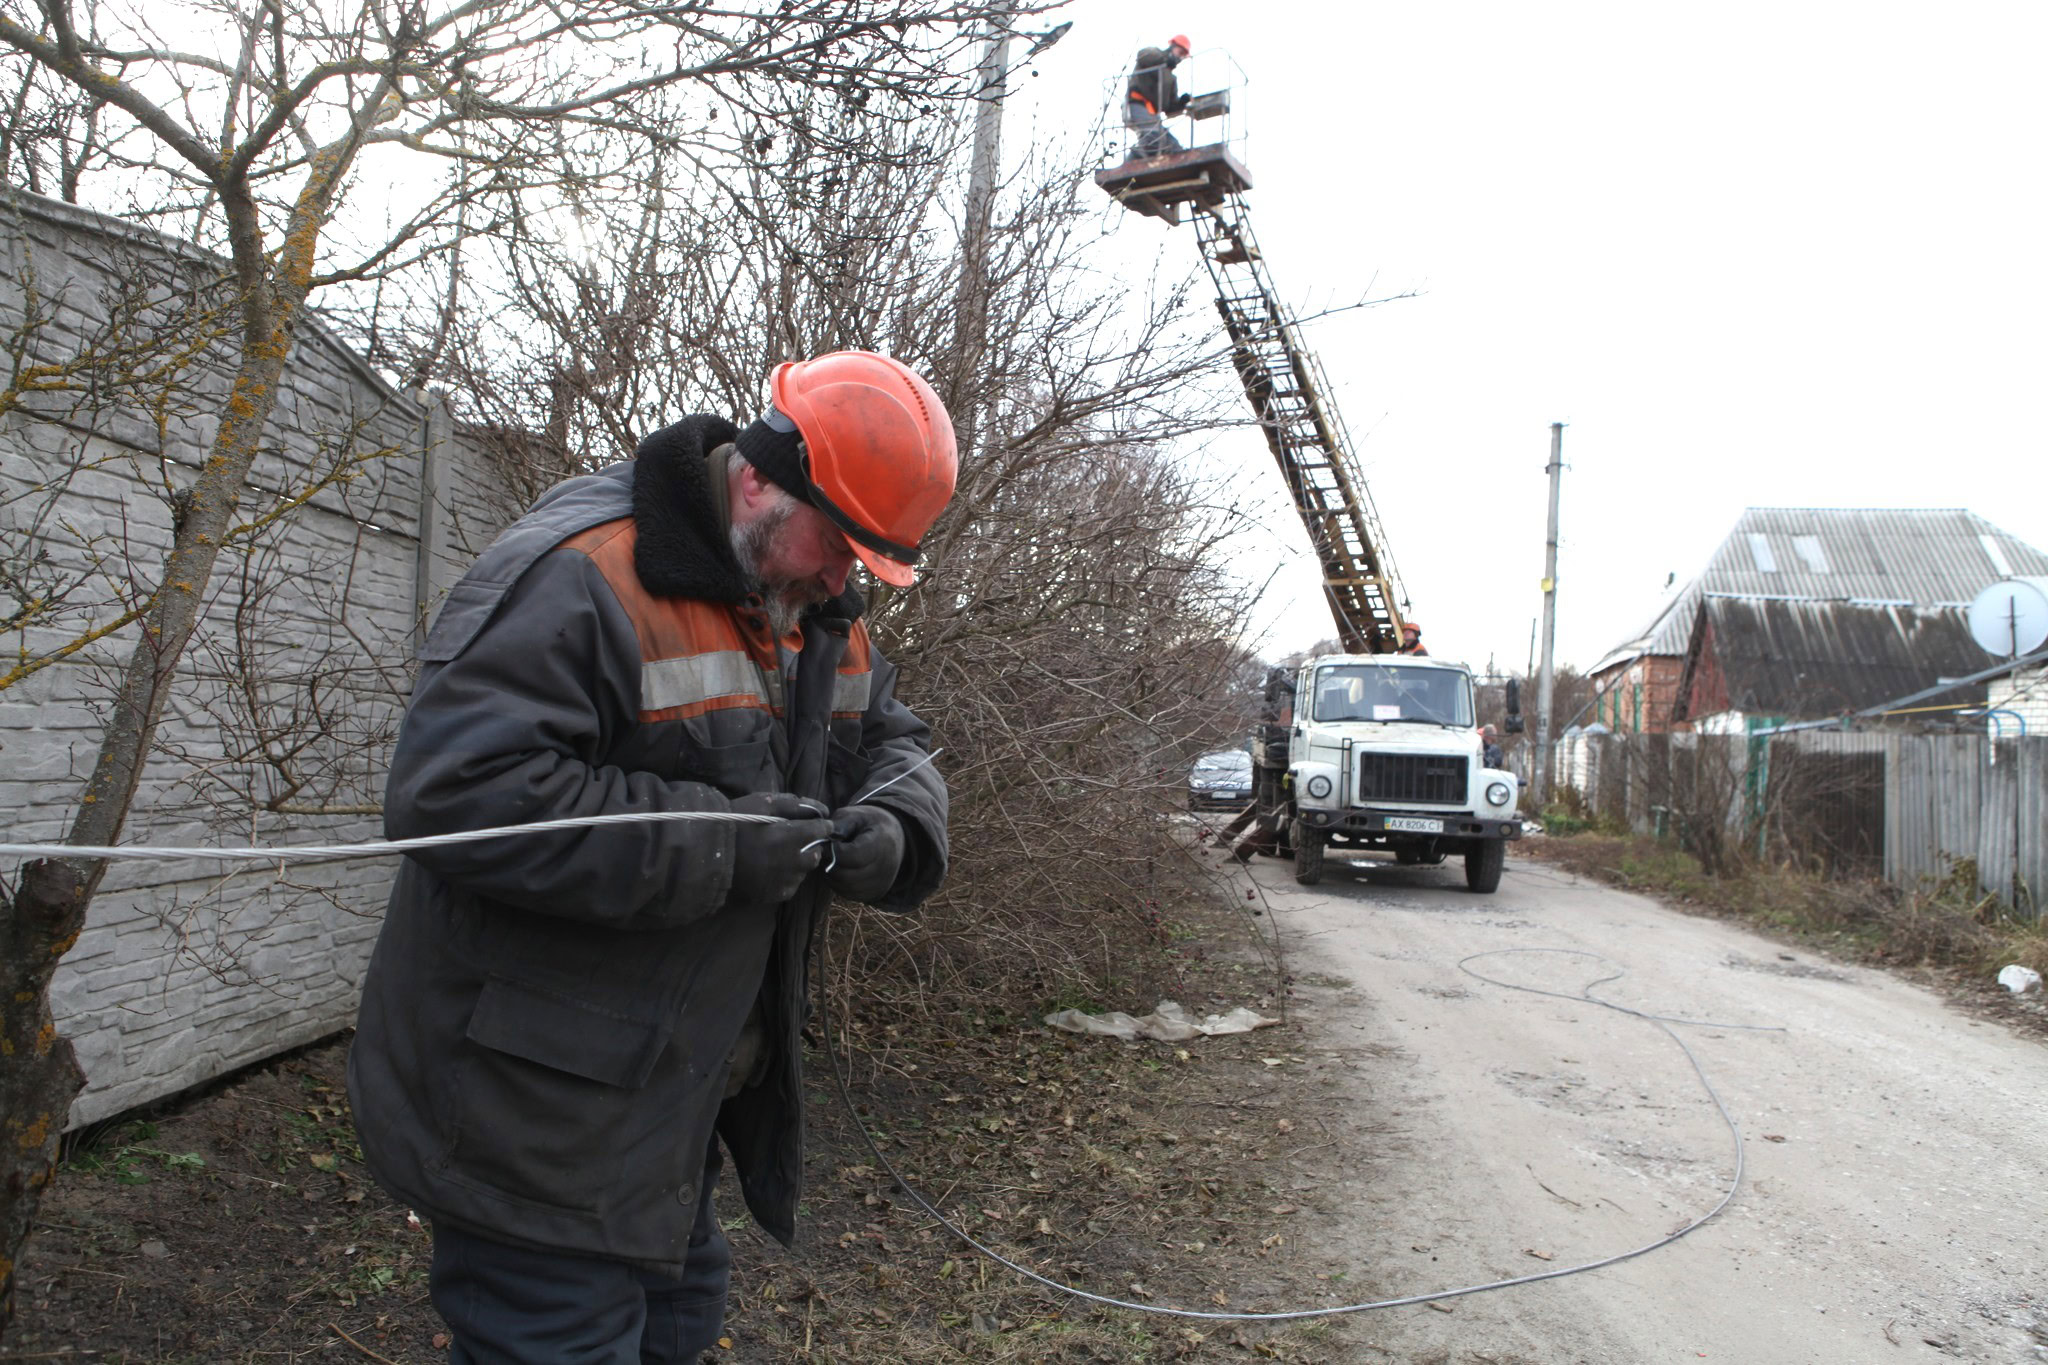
1912	809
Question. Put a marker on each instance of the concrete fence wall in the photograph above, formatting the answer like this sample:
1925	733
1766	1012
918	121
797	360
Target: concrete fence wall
287	702
1914	809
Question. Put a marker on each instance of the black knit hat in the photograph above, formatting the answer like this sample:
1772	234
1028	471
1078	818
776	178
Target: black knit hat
773	445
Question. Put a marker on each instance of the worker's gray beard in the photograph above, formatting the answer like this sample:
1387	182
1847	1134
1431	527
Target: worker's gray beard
782	600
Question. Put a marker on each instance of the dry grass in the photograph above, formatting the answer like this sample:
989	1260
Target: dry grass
1947	927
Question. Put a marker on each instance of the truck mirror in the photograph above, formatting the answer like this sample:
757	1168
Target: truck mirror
1514	698
1513	725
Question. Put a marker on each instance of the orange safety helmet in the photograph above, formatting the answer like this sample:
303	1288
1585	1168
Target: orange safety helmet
1180	40
1415	626
878	451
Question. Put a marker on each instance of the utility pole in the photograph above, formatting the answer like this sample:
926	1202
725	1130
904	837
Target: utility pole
1544	679
970	301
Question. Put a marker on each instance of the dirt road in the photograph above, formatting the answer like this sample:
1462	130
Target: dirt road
1894	1201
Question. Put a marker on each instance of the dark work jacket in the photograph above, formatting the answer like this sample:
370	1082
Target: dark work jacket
1152	83
546	1023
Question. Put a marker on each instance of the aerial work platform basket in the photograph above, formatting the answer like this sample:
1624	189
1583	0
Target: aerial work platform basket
1158	185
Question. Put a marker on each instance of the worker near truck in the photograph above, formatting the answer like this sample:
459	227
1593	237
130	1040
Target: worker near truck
560	1031
1152	96
1490	751
1411	639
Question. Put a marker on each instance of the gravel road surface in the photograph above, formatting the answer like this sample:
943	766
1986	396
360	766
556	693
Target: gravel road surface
1893	1202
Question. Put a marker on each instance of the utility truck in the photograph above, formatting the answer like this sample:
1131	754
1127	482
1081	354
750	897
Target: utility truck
1384	752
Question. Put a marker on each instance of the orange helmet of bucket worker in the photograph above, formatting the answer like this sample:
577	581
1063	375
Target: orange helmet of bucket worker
1180	40
878	452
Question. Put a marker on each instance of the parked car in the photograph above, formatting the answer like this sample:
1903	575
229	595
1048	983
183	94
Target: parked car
1221	781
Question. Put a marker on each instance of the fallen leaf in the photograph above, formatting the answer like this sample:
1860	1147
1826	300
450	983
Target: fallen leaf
1284	1126
439	1341
1221	1299
725	1343
1439	1307
1274	1061
1774	1137
1539	1255
323	1161
946	1270
1286	1208
155	1250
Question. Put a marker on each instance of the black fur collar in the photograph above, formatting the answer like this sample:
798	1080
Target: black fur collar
682	548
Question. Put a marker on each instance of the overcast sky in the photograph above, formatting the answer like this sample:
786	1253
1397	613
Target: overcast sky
1785	254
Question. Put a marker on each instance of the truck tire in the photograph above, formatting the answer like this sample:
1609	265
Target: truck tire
1483	862
1308	854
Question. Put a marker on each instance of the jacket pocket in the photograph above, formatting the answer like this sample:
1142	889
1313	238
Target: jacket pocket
735	764
566	1034
545	1088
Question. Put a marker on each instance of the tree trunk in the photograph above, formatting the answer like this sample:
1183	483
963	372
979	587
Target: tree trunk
39	1076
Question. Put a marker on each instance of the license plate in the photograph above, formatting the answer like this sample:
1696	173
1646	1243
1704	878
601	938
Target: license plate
1412	824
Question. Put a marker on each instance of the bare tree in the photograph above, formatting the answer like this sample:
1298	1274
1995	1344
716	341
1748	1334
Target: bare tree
1076	640
312	148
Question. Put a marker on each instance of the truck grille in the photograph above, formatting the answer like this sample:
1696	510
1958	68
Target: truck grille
1434	778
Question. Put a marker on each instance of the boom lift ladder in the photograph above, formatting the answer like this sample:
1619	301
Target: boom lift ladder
1285	384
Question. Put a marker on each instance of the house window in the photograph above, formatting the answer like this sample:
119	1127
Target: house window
1760	551
1808	549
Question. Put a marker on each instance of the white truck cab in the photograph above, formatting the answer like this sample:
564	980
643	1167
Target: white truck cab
1384	751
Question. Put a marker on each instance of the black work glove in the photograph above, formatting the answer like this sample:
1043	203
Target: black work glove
869	843
770	861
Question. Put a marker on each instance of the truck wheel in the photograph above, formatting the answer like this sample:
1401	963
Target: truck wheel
1483	862
1308	854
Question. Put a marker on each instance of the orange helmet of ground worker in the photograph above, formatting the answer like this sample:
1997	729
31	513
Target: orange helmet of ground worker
878	452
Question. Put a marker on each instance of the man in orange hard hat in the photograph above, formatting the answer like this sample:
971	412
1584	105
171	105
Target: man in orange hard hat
1152	96
1411	639
560	1030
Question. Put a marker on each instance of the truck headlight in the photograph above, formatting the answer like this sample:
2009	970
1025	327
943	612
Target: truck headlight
1497	794
1319	786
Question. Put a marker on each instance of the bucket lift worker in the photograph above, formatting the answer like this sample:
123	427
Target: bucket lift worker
1411	639
555	1026
1152	96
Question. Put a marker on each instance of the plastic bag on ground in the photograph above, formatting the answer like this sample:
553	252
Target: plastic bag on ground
1168	1023
2019	980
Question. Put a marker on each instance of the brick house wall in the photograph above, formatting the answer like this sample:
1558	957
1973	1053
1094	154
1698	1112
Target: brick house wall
1637	696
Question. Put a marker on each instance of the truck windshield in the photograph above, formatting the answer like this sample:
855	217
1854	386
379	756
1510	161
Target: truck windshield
1392	692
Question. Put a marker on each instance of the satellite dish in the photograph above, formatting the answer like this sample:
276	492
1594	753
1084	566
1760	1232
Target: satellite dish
2010	618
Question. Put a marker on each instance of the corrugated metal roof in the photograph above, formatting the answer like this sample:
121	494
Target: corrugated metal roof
1809	660
1923	557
